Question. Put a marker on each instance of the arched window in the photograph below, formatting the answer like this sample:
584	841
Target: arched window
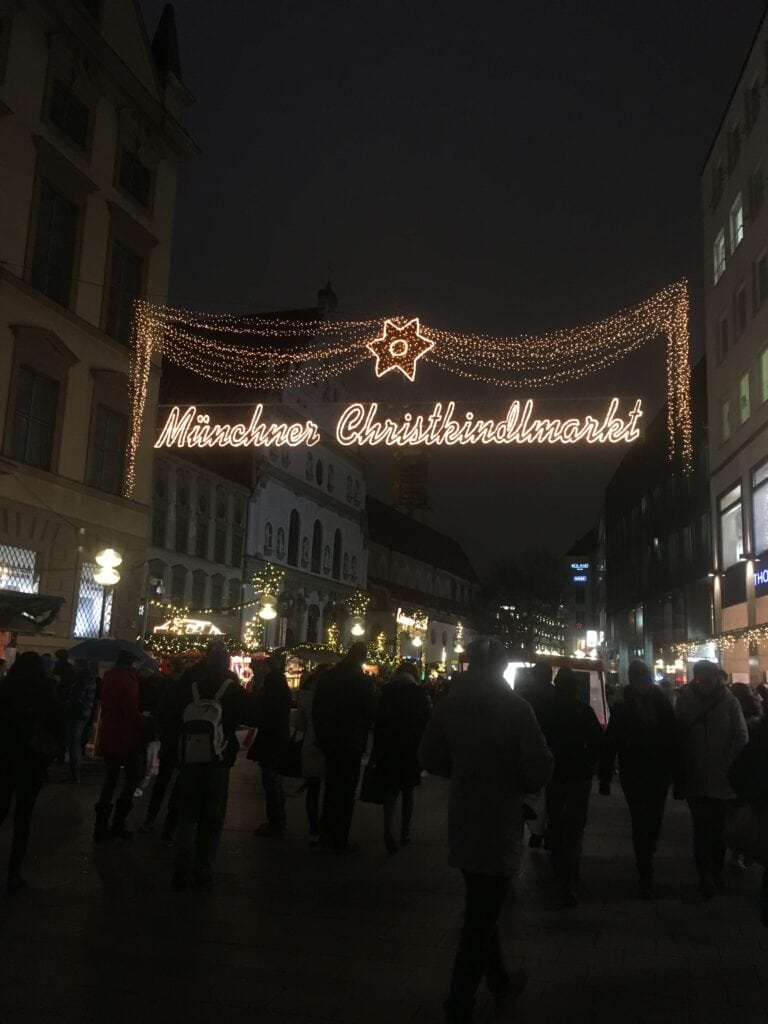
353	569
313	618
281	542
337	554
317	547
330	479
345	570
294	529
326	560
268	535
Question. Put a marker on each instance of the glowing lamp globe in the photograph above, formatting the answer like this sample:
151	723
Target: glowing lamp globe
417	641
267	611
106	576
109	559
358	626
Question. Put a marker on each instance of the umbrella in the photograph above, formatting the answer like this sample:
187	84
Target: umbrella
107	649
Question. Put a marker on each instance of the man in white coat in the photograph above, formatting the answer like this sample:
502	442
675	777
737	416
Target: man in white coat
711	732
488	742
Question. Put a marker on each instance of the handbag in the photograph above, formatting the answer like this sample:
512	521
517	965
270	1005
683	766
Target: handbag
288	760
746	832
372	787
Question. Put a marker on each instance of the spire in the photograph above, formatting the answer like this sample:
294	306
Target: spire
165	46
326	298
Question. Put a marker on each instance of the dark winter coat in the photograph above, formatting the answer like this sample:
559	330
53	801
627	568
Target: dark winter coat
237	707
343	708
711	732
402	716
574	736
642	733
82	696
272	703
487	740
748	775
31	716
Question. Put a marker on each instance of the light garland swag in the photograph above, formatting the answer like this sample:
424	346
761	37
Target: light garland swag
270	353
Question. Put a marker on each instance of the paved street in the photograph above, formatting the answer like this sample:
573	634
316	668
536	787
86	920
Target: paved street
296	935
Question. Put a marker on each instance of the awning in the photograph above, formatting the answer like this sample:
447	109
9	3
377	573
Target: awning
27	613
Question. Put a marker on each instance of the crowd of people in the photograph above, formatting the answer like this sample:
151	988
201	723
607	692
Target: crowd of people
512	756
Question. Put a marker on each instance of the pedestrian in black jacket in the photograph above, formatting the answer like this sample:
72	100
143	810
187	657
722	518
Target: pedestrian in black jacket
748	777
401	719
574	736
342	712
642	733
272	704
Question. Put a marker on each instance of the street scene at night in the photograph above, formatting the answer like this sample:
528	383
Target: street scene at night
383	512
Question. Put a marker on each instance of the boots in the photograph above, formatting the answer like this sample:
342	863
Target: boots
101	828
122	810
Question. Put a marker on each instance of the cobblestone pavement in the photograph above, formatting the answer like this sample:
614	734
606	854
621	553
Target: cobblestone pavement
294	935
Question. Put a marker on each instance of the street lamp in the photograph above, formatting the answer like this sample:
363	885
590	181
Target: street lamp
107	577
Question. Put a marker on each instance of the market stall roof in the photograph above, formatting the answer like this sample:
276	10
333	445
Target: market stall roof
27	613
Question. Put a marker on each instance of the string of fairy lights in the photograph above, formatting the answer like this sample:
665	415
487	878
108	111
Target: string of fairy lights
252	352
726	641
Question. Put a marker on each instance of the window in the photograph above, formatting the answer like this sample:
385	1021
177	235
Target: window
107	450
126	284
740	310
135	177
353	568
718	255
733	146
199	581
718	178
18	569
744	406
34	418
737	223
722	339
761	280
756	192
178	584
69	114
731	527
725	420
281	542
294	527
94	604
760	507
53	253
220	544
751	105
336	572
764	375
268	536
317	547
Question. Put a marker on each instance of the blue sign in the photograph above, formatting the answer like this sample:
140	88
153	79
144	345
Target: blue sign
580	579
761	577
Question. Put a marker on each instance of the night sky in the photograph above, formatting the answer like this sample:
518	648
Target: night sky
499	166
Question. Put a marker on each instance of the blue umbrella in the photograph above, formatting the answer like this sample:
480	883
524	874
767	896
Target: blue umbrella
107	649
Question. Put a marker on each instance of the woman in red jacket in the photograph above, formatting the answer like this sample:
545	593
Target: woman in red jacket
119	743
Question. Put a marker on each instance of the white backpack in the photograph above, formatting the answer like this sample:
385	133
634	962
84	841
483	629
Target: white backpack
202	734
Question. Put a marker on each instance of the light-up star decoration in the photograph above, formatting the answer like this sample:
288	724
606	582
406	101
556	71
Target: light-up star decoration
400	347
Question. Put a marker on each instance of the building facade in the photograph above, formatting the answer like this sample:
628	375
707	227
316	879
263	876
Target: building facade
583	600
735	216
658	552
91	138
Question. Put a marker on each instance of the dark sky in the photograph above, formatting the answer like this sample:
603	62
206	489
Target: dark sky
497	166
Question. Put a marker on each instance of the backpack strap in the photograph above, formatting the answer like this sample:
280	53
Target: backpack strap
222	689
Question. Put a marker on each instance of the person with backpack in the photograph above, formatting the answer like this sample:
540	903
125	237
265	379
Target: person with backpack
209	705
79	704
711	732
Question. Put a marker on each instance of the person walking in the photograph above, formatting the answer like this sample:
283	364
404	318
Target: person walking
342	712
273	710
641	731
750	704
79	704
209	705
168	727
574	736
711	732
401	718
538	691
312	758
486	739
748	777
31	730
119	742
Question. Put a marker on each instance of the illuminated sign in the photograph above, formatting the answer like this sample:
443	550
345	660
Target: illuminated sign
360	424
579	566
580	579
761	577
188	627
